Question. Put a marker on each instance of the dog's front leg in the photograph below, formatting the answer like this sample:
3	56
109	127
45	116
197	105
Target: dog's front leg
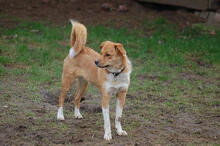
119	108
105	112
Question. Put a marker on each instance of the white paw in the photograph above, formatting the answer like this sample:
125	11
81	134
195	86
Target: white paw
121	132
108	136
77	113
61	118
60	114
78	116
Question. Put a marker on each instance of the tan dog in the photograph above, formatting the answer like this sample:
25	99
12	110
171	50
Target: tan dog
110	72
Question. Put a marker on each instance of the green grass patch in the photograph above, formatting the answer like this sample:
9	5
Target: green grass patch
158	60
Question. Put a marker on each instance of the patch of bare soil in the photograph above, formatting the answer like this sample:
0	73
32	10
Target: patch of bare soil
89	103
27	121
92	12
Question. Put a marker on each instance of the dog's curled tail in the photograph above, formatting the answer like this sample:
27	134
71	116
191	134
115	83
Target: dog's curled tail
78	38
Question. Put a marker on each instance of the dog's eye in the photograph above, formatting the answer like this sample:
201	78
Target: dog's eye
107	54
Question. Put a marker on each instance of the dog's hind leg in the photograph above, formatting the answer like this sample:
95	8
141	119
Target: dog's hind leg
81	88
67	80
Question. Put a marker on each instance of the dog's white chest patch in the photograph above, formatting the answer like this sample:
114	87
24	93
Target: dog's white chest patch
113	84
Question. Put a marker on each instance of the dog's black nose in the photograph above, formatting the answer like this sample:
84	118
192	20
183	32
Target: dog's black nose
96	62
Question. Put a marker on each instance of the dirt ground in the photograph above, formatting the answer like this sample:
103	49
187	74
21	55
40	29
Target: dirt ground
37	125
91	12
33	122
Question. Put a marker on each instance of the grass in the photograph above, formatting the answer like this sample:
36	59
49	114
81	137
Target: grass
39	54
44	50
174	70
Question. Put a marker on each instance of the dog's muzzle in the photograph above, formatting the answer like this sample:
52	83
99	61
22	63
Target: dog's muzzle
97	64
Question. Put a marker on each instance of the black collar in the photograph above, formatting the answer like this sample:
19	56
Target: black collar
115	74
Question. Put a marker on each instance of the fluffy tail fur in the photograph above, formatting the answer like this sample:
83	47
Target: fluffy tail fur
78	38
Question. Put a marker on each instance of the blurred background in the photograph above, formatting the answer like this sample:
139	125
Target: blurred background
128	12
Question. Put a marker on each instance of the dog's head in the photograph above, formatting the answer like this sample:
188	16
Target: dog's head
113	56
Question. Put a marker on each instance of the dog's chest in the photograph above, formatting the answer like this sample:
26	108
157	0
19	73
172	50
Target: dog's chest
113	84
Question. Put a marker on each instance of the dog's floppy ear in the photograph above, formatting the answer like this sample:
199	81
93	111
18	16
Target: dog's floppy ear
102	44
119	47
